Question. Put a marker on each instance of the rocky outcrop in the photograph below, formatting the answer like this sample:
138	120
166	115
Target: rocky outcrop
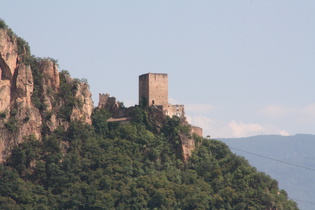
51	78
29	95
8	64
189	143
187	146
9	55
84	111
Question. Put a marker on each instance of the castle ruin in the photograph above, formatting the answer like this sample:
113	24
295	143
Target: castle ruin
153	91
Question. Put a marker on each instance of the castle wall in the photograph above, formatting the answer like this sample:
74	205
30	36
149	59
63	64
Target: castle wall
105	101
154	89
197	130
174	110
143	88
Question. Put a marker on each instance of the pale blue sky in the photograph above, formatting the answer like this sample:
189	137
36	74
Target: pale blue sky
241	67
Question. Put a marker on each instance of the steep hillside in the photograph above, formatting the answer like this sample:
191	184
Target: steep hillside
298	150
115	166
35	98
59	153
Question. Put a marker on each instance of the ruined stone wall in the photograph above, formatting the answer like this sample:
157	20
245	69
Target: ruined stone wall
174	110
154	89
197	130
105	101
111	104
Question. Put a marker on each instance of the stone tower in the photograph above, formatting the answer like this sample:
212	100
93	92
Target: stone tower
153	89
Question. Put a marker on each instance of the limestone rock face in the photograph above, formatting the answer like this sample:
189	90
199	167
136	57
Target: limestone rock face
190	142
8	64
25	112
24	84
5	91
84	112
9	55
51	79
188	146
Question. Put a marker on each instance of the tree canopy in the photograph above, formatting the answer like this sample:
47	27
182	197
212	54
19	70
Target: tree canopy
116	166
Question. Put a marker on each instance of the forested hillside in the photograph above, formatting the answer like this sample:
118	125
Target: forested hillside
78	160
130	167
295	172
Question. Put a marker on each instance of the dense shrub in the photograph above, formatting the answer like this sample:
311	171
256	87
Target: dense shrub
129	167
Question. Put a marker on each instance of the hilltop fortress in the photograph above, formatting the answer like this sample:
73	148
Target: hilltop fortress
153	92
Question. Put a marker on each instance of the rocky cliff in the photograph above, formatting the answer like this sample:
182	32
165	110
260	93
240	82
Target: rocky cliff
35	98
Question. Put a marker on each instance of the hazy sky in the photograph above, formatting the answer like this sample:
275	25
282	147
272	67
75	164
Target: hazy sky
240	67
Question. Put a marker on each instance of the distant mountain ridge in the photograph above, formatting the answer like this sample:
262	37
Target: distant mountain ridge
299	182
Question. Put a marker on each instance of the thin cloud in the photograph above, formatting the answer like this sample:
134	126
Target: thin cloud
233	128
304	114
199	108
173	101
309	110
283	133
274	111
241	129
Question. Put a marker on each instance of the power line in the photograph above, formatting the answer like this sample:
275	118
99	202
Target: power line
302	201
284	162
258	155
273	159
